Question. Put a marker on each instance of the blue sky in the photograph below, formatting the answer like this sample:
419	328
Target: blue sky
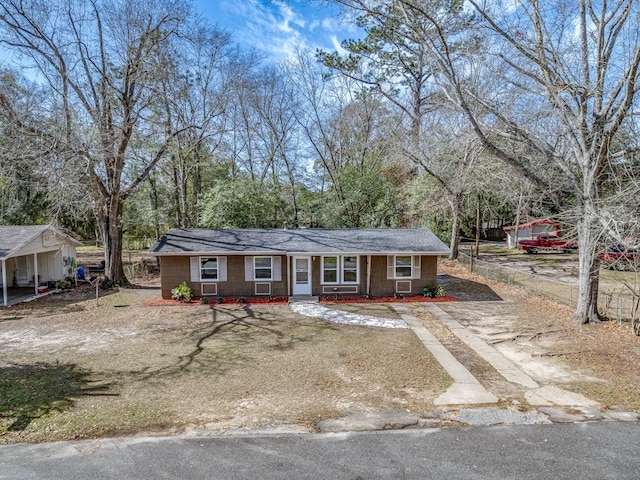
278	27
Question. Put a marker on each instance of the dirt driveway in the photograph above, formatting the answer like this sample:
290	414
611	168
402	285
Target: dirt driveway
557	267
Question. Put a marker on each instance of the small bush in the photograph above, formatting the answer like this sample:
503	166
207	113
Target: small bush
242	300
368	296
337	296
182	293
204	301
399	296
219	300
434	290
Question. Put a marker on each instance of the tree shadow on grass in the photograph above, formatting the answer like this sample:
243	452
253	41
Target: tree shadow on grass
233	329
465	290
28	392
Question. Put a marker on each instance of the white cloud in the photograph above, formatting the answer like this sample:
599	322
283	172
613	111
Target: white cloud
336	45
279	28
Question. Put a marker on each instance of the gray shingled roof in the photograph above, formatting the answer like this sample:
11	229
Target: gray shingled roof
302	241
12	238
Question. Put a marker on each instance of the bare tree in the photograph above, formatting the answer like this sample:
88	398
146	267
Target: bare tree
565	77
101	62
200	70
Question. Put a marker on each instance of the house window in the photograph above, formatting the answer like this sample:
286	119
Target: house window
403	266
263	268
330	269
349	269
342	269
208	268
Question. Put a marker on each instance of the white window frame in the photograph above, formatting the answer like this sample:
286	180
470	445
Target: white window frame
200	259
255	269
357	280
395	267
339	270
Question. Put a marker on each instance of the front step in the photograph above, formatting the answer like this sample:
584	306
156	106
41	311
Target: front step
303	298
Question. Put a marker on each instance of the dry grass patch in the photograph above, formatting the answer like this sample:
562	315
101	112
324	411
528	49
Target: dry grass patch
159	369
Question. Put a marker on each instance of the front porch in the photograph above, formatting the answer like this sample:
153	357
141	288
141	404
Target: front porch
22	294
34	258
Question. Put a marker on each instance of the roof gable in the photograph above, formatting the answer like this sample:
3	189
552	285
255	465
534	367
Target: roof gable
13	238
541	221
302	240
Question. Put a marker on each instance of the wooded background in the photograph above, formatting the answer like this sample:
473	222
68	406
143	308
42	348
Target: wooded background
123	118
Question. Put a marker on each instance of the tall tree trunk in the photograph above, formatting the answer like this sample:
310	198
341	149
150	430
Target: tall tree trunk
516	231
109	220
176	193
455	227
155	201
589	267
478	226
197	191
183	189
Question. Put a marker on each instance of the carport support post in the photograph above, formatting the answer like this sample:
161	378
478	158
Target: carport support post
35	271
5	294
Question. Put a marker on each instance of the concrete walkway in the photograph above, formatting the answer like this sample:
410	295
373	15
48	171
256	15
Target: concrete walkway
466	389
312	308
535	394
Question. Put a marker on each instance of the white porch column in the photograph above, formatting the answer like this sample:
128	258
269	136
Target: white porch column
5	294
35	271
288	276
368	274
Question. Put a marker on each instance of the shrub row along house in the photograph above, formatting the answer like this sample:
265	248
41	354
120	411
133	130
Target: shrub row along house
293	262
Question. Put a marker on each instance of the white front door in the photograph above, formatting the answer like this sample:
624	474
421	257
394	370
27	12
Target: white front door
302	275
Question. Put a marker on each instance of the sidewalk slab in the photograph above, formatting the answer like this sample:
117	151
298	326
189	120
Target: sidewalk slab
498	361
536	395
466	388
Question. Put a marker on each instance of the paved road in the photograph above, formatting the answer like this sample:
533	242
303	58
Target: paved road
603	450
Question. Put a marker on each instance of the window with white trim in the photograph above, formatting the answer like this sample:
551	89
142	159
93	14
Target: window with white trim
342	269
349	269
403	266
262	268
208	269
329	269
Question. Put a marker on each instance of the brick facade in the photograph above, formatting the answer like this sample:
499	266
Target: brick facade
176	269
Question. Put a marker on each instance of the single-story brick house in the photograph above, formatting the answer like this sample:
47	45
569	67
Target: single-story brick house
305	261
31	257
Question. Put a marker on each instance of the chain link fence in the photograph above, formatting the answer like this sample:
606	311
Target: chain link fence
615	306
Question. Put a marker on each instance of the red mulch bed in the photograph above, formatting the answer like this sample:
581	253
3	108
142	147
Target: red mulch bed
163	302
415	298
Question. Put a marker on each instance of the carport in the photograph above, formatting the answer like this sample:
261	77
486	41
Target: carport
34	258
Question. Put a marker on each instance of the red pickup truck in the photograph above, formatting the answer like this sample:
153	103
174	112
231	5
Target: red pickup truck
548	242
620	257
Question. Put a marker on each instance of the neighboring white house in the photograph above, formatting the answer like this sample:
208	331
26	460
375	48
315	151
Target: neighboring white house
530	231
33	256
